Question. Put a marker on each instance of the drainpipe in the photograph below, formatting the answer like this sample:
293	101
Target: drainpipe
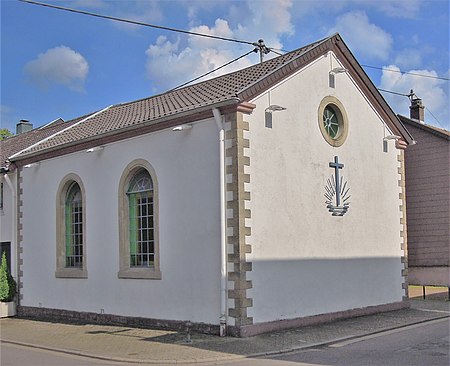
223	242
13	224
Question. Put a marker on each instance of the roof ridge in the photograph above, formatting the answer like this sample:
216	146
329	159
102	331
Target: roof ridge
173	91
304	49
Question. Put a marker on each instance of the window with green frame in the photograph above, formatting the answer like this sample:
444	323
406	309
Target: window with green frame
74	226
141	220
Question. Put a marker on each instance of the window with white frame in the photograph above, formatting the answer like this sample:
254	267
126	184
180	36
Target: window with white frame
138	210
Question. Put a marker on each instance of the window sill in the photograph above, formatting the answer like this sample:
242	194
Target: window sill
140	273
71	273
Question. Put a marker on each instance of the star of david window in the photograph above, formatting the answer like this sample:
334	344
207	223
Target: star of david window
333	121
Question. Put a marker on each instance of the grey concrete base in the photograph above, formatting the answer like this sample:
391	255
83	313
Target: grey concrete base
68	316
255	329
77	317
429	276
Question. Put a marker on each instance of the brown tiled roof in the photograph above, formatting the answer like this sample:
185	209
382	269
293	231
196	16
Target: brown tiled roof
14	144
196	101
426	127
188	99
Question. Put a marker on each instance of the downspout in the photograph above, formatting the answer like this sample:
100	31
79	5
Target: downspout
13	223
223	242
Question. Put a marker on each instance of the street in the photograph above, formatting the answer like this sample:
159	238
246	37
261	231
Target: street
422	344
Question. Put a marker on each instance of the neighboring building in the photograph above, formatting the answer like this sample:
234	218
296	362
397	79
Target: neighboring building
427	201
262	199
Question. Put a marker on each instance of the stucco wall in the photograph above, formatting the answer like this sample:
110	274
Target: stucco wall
7	214
305	261
186	164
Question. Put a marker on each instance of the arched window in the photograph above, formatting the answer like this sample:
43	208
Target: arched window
138	218
141	224
74	226
71	229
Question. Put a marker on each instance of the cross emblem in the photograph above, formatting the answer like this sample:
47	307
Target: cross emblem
336	165
337	187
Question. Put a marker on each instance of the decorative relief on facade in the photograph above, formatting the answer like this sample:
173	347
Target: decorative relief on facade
337	191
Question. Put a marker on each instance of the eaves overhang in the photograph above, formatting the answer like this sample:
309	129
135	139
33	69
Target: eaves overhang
366	85
285	70
165	122
335	44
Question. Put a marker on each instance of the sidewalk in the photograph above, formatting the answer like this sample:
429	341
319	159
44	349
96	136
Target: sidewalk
154	346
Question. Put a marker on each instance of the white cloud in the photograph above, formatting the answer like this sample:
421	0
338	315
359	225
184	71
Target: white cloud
139	11
170	63
396	8
363	37
390	8
430	90
409	58
60	65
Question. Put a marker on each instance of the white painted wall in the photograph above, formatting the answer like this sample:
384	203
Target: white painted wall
7	218
305	261
187	169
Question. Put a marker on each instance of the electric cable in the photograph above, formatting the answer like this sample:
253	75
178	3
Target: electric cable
136	22
440	124
409	96
273	50
405	72
210	72
392	92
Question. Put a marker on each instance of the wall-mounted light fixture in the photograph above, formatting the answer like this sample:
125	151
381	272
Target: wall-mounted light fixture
275	108
332	73
182	127
268	113
338	70
32	165
94	149
392	137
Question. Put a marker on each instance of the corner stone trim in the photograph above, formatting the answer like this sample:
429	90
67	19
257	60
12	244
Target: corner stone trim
238	199
403	224
19	229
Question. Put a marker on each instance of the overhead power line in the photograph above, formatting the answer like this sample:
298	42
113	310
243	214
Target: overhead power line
392	92
137	23
405	72
409	96
210	72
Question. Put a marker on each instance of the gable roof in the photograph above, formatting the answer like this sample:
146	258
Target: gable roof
425	127
17	143
196	101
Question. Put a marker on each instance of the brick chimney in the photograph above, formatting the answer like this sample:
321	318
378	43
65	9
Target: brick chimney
23	126
416	109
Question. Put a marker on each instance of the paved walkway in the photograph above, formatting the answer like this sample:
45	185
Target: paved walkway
154	346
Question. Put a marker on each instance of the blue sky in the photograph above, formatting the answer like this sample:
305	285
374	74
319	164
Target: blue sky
60	64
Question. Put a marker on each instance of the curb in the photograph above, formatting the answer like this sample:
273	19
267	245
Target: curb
225	358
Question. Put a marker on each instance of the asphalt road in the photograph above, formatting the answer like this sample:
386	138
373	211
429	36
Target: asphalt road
425	344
